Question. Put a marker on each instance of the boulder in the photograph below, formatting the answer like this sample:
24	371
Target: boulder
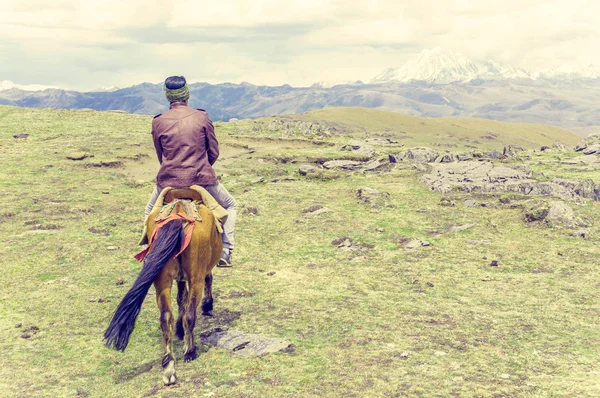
560	214
306	169
446	158
373	197
245	344
590	140
374	165
358	148
512	150
536	211
421	154
342	164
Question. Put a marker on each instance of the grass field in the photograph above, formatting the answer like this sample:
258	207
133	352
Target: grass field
374	321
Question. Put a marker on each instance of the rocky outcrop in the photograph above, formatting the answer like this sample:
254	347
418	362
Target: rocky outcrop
364	151
589	145
474	176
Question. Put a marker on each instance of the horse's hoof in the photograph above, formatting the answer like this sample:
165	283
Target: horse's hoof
169	381
207	313
190	356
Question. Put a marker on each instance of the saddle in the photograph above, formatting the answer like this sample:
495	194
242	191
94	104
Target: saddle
172	200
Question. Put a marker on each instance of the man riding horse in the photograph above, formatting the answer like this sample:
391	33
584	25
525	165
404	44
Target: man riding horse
186	146
185	235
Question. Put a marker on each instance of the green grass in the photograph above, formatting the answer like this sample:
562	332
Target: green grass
436	321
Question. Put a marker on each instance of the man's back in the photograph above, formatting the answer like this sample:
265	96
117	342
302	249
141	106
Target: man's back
186	147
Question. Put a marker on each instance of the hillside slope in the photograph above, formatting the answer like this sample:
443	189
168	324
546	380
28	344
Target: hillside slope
452	131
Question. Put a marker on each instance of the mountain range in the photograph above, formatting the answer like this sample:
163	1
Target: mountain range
436	83
442	67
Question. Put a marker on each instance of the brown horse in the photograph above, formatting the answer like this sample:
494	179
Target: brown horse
192	269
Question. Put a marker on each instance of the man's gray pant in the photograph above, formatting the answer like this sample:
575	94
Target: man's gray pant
221	195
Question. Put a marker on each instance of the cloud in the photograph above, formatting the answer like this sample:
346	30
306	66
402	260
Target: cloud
104	42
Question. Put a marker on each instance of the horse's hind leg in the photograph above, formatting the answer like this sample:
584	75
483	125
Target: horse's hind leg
181	303
163	284
207	300
196	287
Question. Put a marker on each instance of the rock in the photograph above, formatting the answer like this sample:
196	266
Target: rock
592	150
374	165
373	197
463	157
459	228
536	211
581	233
249	210
446	158
77	156
342	164
257	180
494	263
470	203
512	150
363	150
25	336
320	211
447	202
112	248
485	176
306	169
421	154
560	214
404	355
495	155
420	166
392	158
20	136
415	244
592	139
245	344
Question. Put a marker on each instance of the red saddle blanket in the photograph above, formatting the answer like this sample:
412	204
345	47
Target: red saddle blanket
167	214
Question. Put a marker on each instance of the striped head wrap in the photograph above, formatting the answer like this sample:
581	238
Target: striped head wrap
178	94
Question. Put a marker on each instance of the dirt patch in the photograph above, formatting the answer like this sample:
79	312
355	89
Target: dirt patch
109	164
99	231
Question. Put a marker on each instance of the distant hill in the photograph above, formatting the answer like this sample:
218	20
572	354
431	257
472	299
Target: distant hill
572	104
448	131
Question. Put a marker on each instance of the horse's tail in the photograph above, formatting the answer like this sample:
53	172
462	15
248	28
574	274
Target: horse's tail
166	244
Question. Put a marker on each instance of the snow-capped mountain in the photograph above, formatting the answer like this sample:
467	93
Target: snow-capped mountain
441	67
105	89
571	72
434	66
7	85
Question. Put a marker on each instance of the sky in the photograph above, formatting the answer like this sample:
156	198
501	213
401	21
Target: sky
84	45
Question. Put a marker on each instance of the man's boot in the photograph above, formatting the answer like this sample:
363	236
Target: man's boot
225	260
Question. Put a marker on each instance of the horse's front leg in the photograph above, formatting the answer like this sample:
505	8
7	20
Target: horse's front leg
163	284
